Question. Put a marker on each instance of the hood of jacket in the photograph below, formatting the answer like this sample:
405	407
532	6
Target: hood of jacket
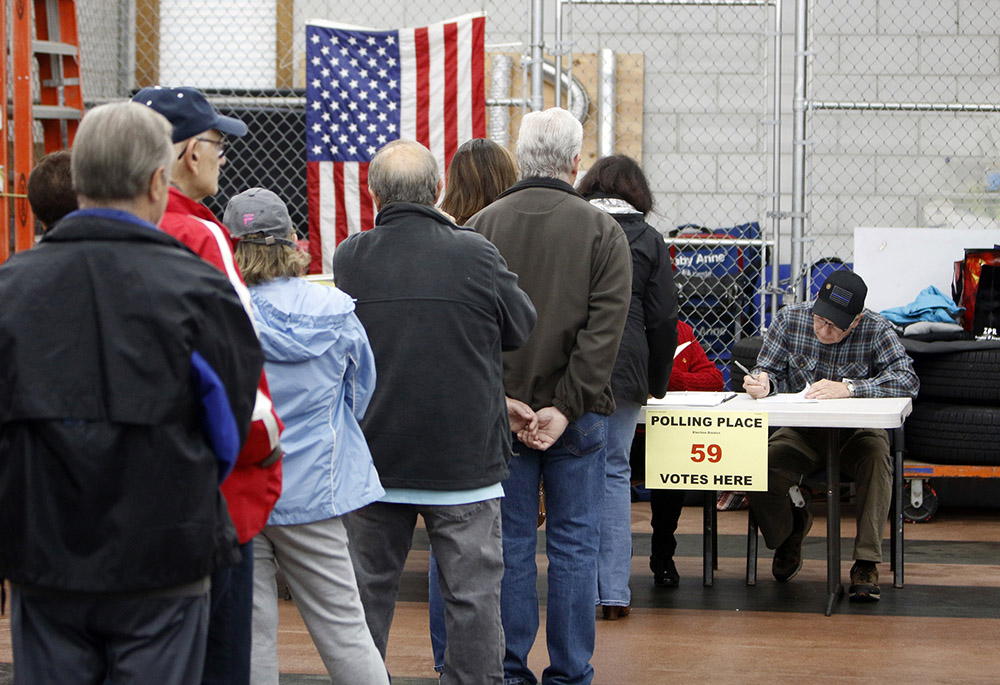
297	321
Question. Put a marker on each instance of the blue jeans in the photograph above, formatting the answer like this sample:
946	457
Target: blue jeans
614	561
227	659
435	611
573	473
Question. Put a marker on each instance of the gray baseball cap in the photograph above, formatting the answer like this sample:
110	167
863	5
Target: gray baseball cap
258	210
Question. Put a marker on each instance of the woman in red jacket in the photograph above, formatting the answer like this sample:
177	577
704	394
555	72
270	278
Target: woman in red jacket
692	370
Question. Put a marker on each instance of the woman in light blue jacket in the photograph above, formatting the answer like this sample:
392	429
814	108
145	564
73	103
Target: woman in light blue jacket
322	374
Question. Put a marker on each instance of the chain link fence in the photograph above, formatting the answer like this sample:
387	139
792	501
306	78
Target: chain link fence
693	91
903	125
901	112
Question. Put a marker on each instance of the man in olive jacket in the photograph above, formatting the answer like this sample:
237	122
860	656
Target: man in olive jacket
573	261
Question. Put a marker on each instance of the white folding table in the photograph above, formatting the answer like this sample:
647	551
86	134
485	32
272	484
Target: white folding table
888	413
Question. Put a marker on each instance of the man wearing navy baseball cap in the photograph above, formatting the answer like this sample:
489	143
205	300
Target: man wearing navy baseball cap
836	348
199	137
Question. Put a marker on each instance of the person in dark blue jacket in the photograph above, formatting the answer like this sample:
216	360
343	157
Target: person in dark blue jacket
127	387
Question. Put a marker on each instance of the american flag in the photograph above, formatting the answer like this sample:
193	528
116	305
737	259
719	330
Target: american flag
366	87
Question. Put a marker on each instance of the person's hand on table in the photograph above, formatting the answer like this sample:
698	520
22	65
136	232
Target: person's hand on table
826	389
551	424
757	386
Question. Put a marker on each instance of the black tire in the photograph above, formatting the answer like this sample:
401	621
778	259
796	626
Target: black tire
745	352
954	434
925	512
966	376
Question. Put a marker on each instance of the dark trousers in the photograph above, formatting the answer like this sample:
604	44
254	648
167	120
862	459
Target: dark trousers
227	661
665	506
93	639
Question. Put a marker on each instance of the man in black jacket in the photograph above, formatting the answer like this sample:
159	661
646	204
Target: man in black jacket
129	375
439	305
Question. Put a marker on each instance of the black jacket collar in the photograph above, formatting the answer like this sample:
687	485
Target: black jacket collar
396	211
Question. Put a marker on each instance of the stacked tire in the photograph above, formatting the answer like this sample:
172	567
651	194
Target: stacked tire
956	416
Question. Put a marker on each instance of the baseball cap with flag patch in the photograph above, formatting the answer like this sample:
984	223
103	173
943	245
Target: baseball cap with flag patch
841	298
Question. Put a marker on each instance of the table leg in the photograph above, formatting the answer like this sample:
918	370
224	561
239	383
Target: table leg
708	538
834	587
897	515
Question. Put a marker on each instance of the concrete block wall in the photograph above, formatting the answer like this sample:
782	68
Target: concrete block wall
706	95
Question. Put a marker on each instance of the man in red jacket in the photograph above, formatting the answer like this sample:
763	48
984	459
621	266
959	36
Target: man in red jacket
255	483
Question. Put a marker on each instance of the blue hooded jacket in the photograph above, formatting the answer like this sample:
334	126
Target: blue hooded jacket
322	375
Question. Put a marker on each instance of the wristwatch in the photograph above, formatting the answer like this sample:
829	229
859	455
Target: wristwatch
850	387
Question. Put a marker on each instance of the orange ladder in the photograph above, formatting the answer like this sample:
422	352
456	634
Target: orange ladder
53	39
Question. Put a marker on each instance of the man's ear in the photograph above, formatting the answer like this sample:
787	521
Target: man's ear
576	166
188	157
158	186
437	193
378	202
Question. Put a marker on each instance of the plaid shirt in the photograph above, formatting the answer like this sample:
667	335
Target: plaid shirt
871	356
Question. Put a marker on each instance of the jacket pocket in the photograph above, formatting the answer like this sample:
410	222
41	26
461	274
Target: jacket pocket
585	435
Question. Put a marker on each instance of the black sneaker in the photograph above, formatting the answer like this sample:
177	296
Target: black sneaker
788	557
664	572
864	582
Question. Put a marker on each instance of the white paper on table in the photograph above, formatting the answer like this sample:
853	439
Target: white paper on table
680	348
691	398
789	398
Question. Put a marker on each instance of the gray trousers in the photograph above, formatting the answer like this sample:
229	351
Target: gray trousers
120	639
467	545
796	452
317	565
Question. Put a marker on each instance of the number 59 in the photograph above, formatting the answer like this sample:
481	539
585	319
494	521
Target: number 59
700	452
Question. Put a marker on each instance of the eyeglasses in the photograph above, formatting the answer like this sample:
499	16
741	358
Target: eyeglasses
826	323
220	145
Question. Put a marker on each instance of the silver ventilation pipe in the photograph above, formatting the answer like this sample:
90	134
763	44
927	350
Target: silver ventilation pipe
579	101
500	80
606	104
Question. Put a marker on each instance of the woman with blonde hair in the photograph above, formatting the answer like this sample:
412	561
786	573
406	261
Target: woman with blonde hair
322	375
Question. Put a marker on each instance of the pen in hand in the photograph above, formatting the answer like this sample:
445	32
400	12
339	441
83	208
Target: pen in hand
745	369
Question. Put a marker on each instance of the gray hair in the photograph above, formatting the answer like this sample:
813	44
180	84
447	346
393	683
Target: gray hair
548	142
116	150
404	171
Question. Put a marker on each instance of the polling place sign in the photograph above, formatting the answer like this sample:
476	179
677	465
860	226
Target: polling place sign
691	449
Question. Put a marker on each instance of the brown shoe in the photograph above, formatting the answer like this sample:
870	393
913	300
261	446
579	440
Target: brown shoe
613	613
864	582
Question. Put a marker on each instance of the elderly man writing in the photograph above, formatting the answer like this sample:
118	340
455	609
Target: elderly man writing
838	349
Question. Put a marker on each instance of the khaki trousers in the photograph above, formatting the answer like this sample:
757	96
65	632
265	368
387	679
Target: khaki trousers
793	453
